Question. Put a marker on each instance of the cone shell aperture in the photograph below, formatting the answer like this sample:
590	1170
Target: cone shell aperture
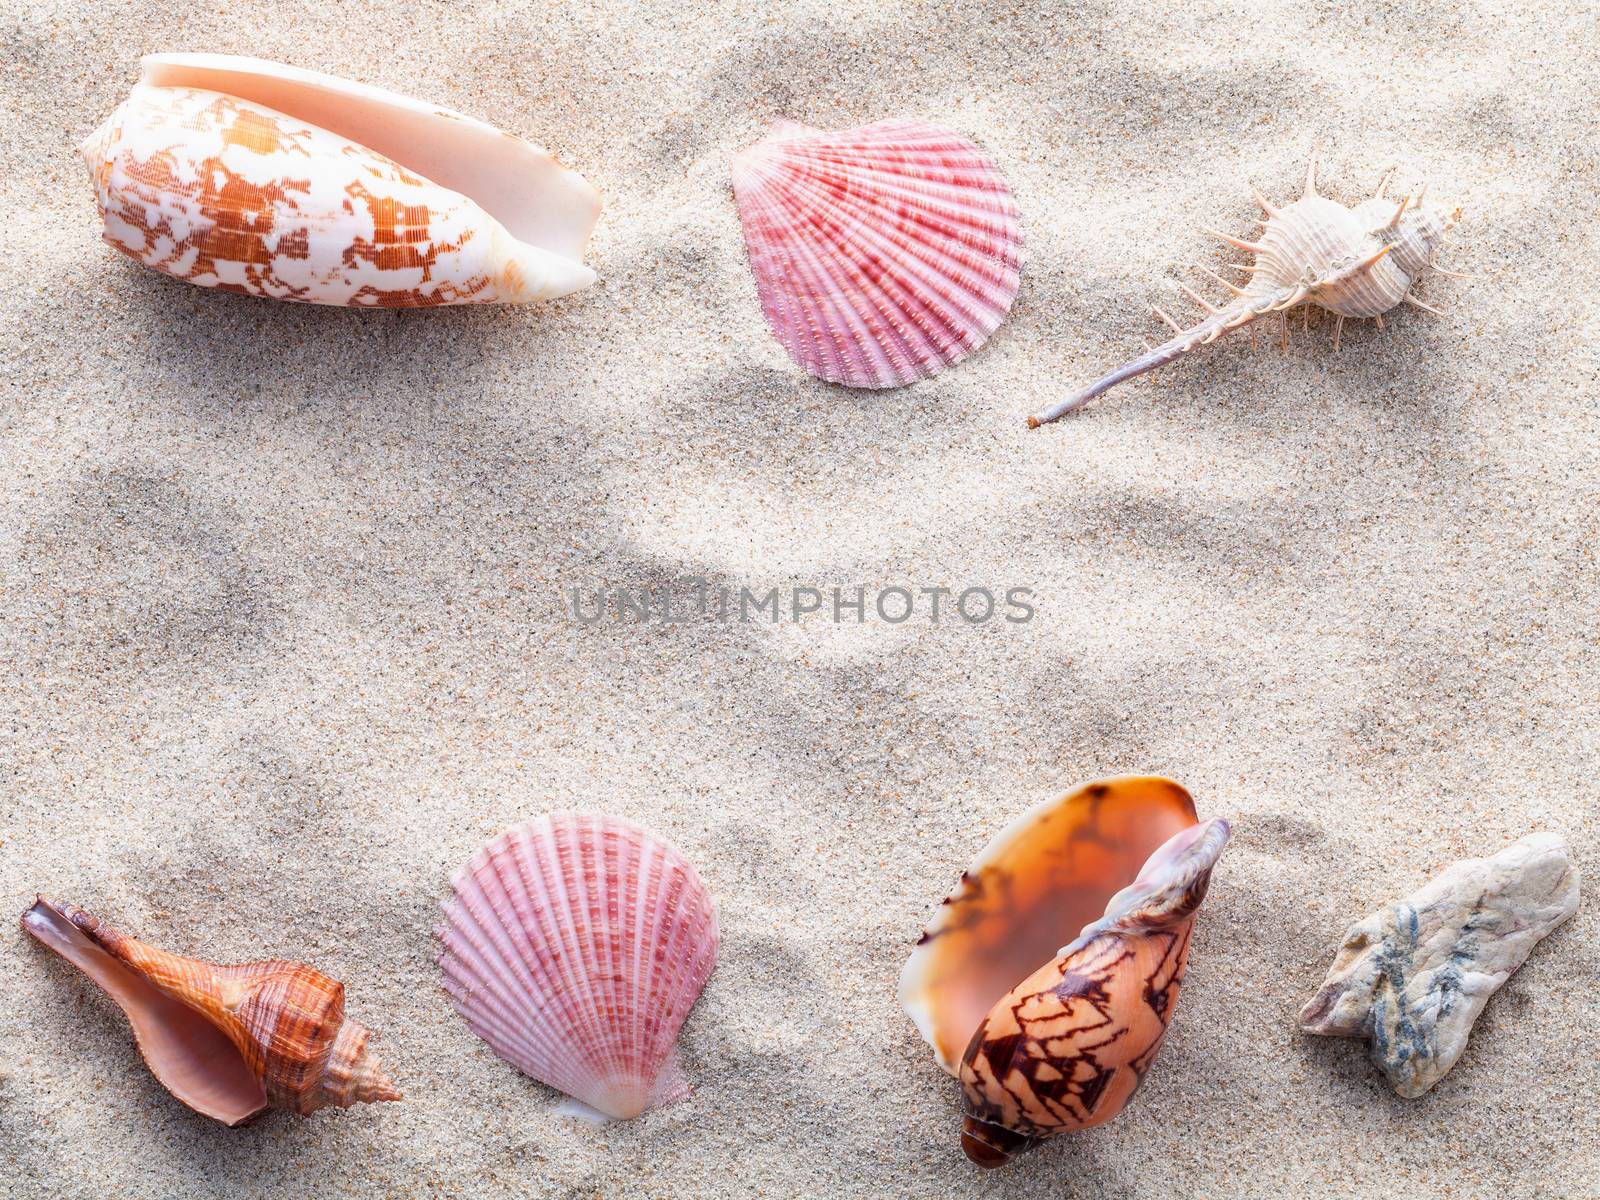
228	1041
1049	1038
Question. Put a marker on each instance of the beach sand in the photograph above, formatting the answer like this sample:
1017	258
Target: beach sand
283	593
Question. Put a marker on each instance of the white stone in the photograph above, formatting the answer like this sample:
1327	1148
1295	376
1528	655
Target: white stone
1414	976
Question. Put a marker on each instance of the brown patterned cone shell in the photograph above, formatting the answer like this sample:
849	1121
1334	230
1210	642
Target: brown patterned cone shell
1067	1047
286	1019
1041	880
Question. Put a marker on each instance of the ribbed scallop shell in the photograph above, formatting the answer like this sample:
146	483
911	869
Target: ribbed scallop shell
575	944
228	1041
262	179
881	254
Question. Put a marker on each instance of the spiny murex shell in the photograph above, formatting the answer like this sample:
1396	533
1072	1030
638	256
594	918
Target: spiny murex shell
228	1041
1413	977
1354	262
268	180
575	944
1047	1049
881	254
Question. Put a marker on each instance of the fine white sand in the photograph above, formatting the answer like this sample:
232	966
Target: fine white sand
281	593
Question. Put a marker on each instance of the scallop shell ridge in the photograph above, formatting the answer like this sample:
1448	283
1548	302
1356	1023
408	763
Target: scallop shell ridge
575	945
881	254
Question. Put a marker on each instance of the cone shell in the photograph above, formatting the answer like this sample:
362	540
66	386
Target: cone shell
228	1041
881	254
257	178
575	944
1043	878
1068	1046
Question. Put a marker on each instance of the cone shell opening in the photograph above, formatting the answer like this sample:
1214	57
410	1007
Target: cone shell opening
518	183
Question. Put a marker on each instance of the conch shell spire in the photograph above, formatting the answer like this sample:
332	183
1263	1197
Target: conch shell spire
229	1041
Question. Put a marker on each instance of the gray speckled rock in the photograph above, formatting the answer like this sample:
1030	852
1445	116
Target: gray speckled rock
1414	976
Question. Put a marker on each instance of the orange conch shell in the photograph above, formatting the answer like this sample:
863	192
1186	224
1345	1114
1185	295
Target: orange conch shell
1067	1047
228	1041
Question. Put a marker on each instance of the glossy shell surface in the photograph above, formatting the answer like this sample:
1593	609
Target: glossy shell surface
261	179
1039	882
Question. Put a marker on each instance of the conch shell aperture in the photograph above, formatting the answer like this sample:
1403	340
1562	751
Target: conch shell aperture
228	1041
1046	1049
268	180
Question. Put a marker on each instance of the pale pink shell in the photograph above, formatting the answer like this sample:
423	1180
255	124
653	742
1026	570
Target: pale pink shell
882	254
575	944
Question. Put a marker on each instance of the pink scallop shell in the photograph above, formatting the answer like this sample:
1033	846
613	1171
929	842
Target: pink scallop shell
575	944
881	254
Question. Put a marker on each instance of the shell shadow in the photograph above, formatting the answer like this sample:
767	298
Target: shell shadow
224	355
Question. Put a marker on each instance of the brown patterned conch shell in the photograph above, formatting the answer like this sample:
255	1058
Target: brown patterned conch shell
1354	262
228	1041
1049	1049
